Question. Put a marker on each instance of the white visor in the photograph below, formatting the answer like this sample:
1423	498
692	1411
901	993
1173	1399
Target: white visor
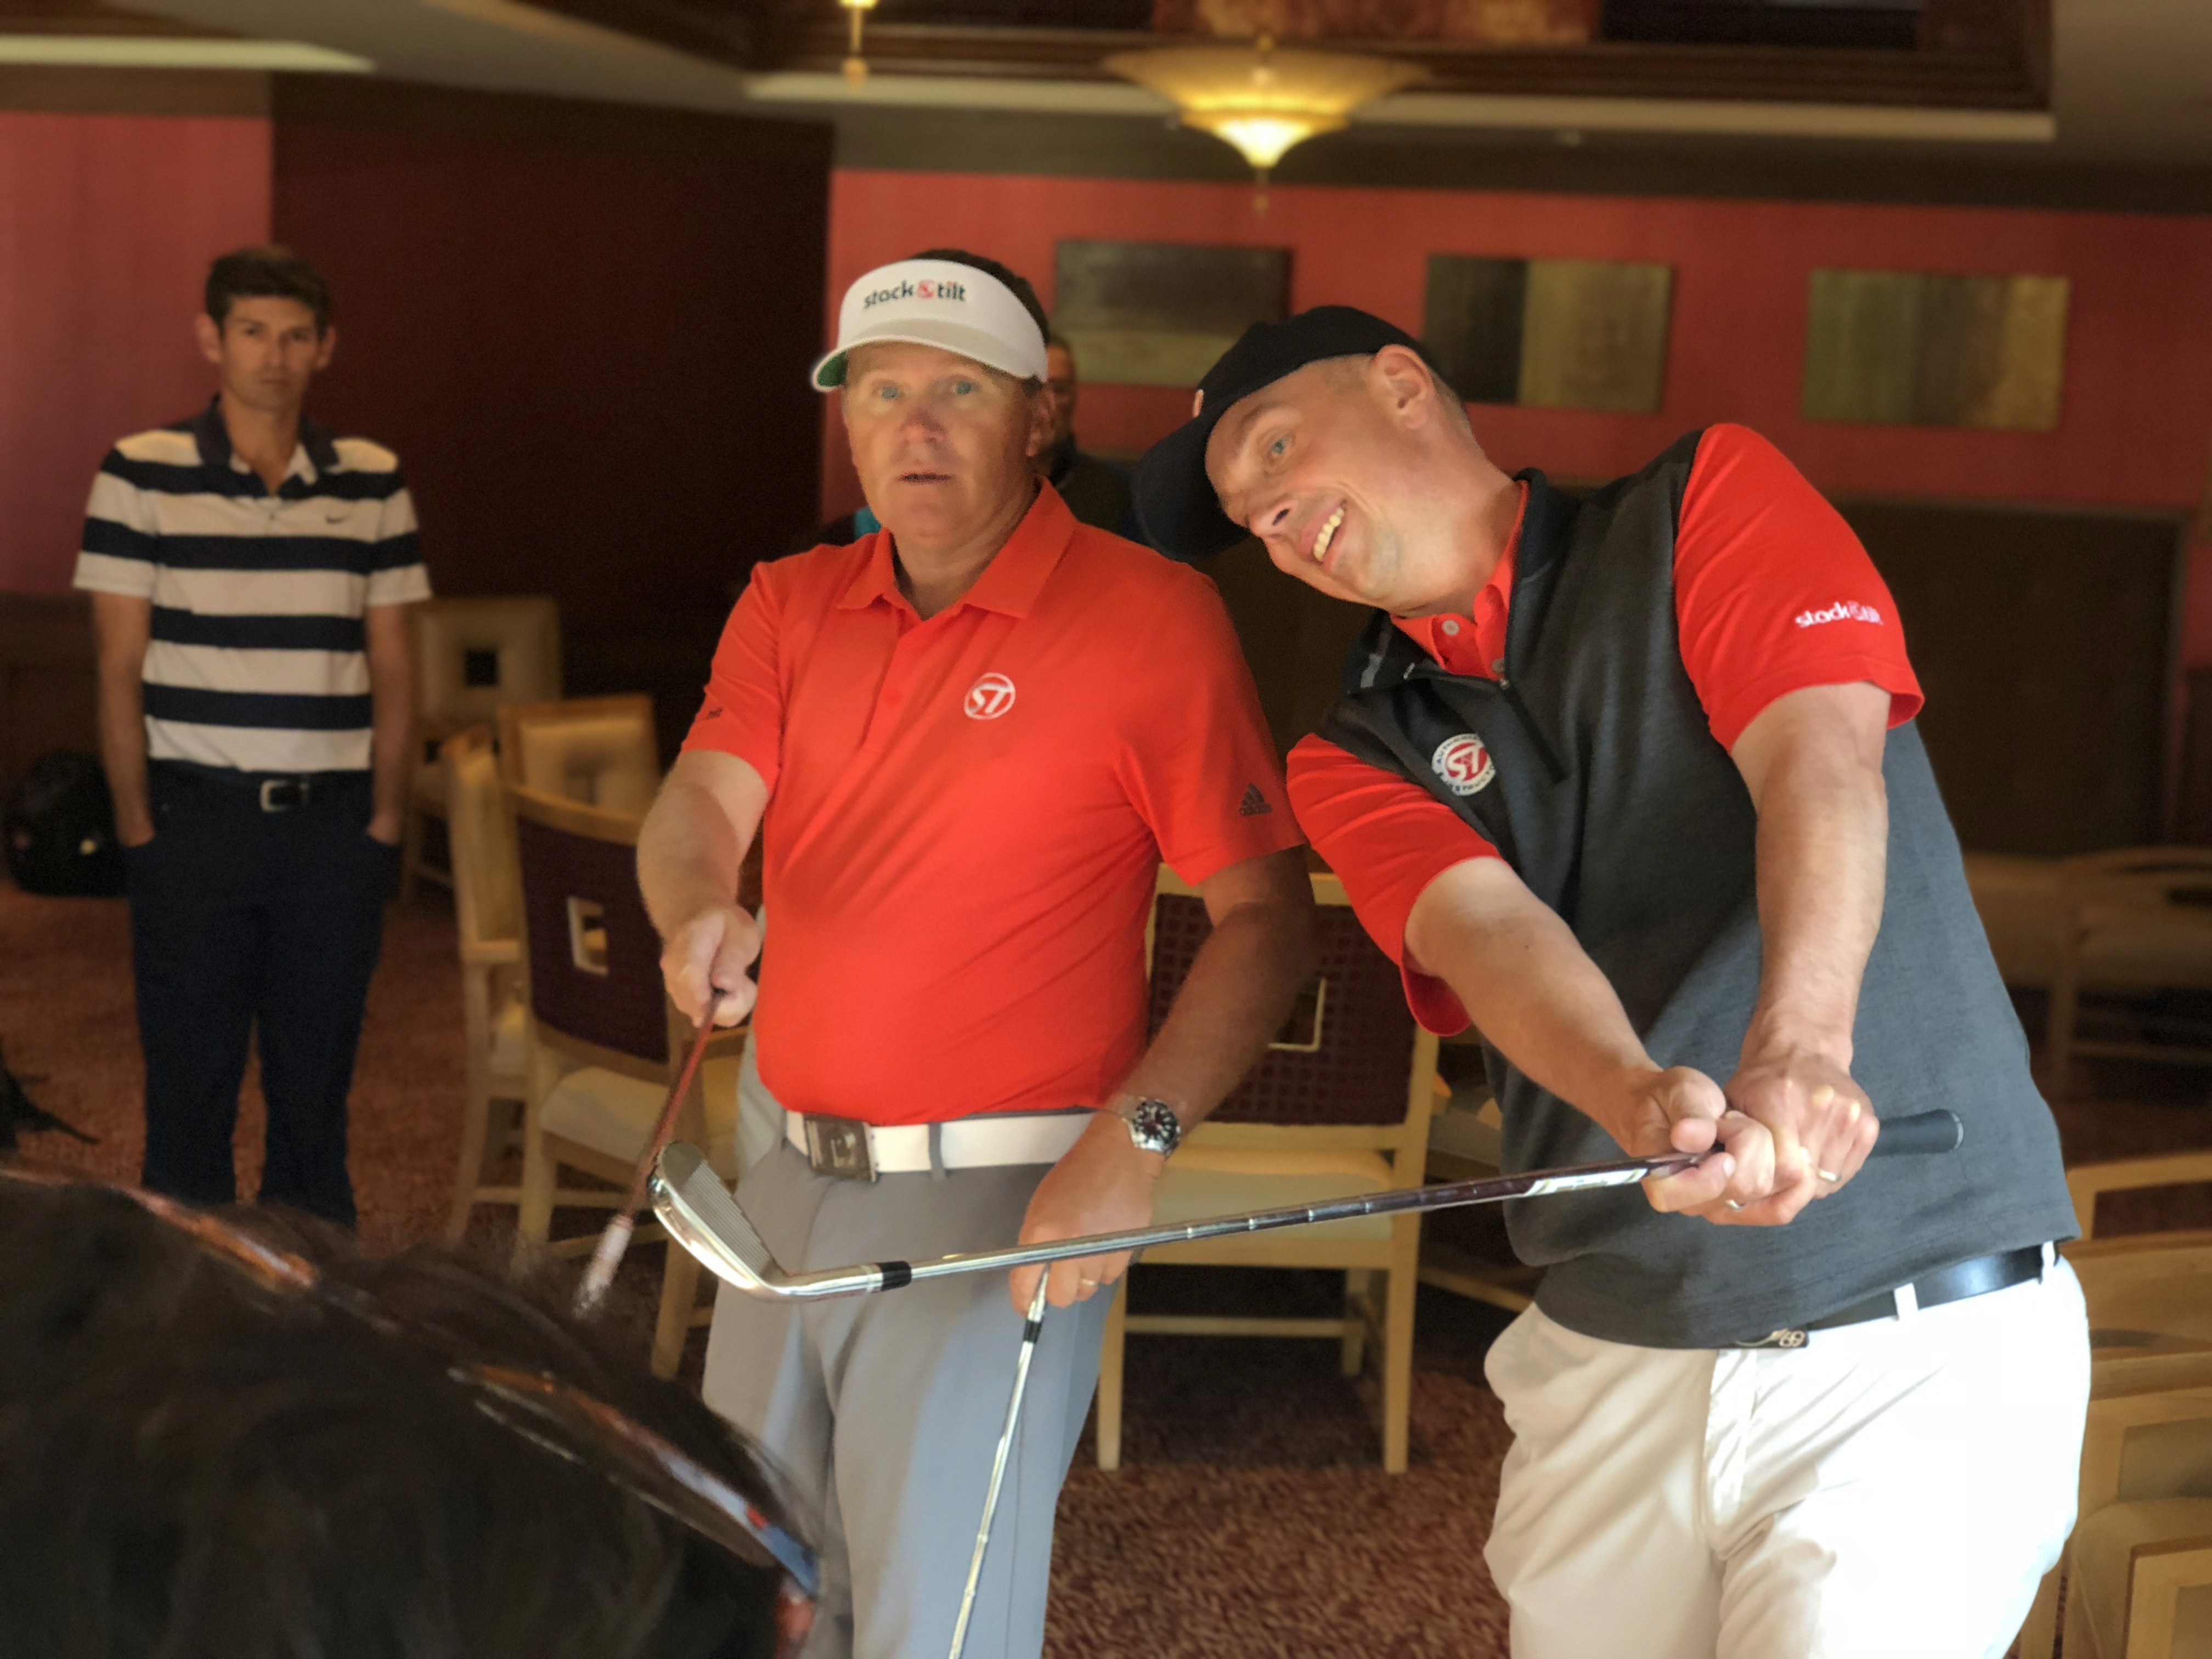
936	302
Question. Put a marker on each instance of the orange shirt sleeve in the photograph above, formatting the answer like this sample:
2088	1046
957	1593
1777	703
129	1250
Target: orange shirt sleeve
1387	838
1773	592
742	713
1199	760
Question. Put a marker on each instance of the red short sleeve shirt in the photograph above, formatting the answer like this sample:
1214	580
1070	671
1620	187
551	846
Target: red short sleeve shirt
1772	594
966	814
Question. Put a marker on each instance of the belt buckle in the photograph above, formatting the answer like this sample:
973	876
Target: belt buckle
1787	1337
838	1146
271	788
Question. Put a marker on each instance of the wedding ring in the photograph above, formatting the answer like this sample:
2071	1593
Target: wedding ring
1088	1284
1733	1205
1828	1175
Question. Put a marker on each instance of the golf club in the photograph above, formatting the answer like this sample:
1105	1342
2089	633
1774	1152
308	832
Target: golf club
700	1215
1031	1330
613	1242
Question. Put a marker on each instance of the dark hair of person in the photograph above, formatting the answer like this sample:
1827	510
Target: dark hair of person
200	1467
1014	279
269	272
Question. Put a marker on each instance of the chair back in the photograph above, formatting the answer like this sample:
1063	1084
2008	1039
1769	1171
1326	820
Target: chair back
1351	1054
472	655
589	952
486	889
601	751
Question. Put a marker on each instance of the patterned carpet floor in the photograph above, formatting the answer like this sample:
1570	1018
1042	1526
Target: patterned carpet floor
1250	1518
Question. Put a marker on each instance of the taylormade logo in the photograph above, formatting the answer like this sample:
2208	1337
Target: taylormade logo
926	288
1841	611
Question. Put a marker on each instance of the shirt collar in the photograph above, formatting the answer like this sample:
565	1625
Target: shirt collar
316	452
1010	584
1498	591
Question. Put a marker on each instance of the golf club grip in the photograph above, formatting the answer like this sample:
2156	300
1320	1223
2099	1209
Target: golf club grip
1923	1133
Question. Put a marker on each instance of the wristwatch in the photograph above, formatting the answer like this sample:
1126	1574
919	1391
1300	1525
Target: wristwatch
1154	1126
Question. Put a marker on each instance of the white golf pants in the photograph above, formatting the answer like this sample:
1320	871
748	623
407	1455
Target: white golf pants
1893	1490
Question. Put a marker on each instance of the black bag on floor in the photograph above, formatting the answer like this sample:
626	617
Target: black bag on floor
60	829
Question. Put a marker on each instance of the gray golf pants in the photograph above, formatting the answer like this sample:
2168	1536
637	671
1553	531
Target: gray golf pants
884	1410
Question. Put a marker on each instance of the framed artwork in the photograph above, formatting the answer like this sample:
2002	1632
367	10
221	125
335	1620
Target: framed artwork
1918	348
1550	333
1159	314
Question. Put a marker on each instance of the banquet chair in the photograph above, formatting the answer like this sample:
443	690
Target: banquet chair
2021	900
599	750
2137	919
2140	1583
606	1045
1340	1105
471	656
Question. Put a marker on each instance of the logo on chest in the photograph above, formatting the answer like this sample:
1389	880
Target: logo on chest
989	697
1463	763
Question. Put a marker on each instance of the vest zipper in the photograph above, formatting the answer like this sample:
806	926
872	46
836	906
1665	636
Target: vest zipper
1544	750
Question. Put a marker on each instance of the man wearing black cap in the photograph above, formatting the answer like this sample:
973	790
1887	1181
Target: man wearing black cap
1632	784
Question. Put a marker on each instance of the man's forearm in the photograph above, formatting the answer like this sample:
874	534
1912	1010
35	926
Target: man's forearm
1528	986
1822	861
123	752
1232	1003
689	855
392	745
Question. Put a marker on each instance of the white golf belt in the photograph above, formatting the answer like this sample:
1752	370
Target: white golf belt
964	1143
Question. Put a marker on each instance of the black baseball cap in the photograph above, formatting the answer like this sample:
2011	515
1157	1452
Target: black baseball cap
1182	515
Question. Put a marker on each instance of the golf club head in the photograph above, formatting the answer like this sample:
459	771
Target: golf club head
699	1213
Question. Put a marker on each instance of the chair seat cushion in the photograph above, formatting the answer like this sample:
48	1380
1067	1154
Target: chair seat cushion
2146	945
2020	901
1203	1181
614	1115
2104	1550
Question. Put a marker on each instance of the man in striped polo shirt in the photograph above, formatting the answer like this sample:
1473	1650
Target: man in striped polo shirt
250	576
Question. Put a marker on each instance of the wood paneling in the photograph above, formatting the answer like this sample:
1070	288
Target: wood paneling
107	224
47	684
587	331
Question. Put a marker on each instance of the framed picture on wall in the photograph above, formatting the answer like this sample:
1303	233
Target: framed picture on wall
1914	348
1550	333
1159	314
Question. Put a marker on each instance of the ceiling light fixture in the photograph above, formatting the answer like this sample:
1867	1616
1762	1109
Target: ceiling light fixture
1262	101
855	66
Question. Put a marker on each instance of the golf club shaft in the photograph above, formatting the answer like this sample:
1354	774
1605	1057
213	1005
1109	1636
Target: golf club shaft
613	1242
1030	1331
1901	1138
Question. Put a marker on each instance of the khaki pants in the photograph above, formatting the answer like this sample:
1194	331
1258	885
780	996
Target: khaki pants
1894	1490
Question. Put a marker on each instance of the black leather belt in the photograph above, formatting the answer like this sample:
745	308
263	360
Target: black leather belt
1955	1283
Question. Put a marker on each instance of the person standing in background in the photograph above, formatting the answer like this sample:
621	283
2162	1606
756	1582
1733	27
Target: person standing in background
250	576
1096	491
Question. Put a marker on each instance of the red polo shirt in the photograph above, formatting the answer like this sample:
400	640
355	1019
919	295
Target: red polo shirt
967	814
1772	594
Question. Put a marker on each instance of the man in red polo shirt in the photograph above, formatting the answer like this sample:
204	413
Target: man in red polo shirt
1632	782
968	741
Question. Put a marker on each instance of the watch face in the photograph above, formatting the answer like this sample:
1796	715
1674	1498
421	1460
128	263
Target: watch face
1154	1126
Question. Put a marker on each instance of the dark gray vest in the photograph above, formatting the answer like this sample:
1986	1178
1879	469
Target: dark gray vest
1612	799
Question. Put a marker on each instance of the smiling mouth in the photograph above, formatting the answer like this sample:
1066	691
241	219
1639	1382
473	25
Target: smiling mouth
1330	527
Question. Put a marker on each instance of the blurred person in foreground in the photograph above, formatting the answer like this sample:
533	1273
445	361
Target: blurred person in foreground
250	575
968	743
1632	784
228	1436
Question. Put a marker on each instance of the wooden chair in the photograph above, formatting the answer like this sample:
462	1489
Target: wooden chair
488	905
604	1042
599	750
2139	919
1340	1105
471	655
2020	900
2149	1298
2140	1587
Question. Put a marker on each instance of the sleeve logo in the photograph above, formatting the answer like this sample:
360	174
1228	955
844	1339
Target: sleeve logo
1463	763
1841	611
989	697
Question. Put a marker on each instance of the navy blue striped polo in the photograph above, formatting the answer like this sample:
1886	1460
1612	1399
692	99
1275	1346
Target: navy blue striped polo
257	662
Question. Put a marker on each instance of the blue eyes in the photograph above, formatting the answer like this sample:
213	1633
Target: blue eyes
964	387
1278	449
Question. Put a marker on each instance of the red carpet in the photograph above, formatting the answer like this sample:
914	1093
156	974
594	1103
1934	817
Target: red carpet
1250	1518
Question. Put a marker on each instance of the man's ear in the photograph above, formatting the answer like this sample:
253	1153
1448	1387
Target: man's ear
1403	380
1041	409
209	333
326	346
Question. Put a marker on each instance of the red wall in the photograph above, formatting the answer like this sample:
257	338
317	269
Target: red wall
2137	424
108	223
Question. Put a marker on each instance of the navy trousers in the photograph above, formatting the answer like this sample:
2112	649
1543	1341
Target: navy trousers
242	919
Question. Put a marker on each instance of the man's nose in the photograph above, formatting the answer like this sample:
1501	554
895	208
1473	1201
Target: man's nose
1273	519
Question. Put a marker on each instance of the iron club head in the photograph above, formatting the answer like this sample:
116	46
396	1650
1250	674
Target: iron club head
700	1215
